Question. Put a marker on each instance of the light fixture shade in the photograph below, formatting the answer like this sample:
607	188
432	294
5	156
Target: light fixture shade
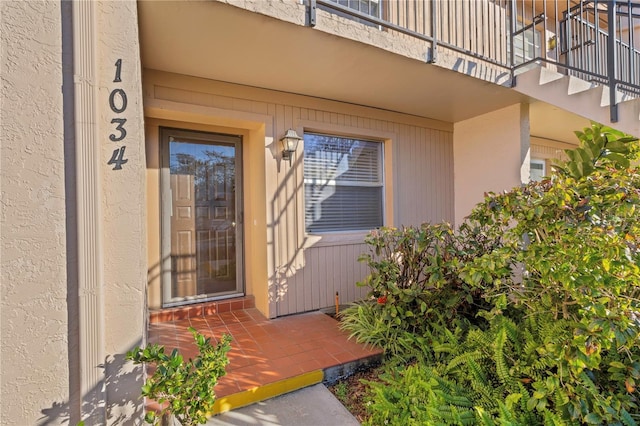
290	140
289	144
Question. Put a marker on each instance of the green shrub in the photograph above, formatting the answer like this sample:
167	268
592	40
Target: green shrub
186	387
600	147
530	313
414	274
575	237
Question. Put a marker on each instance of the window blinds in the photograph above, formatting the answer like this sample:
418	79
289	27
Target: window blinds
343	183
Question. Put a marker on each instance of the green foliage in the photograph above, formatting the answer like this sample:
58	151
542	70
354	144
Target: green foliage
600	147
365	323
529	314
417	395
341	391
415	279
186	387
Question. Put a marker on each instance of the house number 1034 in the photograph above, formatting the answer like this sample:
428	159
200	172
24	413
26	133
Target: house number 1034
118	104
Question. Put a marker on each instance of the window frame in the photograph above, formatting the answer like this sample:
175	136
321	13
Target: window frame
331	236
348	5
527	45
538	161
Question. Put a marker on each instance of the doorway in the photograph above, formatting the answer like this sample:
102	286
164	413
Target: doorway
201	203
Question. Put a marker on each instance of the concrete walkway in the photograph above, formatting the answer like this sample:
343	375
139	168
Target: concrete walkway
311	406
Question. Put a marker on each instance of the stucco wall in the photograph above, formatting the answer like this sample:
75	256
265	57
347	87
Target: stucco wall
73	271
491	153
123	209
414	16
35	355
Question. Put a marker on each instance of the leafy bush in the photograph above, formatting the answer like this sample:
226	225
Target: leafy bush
600	147
186	387
532	309
415	277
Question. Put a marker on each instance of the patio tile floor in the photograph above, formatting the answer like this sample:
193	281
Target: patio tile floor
264	351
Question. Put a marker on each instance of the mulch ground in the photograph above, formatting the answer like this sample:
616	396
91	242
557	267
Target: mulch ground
352	392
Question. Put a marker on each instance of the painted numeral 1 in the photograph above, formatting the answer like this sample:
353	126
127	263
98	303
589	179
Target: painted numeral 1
118	70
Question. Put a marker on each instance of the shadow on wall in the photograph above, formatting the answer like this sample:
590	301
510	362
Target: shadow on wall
123	382
285	268
290	290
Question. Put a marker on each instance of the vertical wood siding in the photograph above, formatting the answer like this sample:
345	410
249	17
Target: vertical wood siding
308	278
327	270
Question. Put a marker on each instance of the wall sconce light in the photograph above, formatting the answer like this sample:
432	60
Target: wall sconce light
289	144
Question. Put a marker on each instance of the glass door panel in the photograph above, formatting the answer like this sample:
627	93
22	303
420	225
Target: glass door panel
202	232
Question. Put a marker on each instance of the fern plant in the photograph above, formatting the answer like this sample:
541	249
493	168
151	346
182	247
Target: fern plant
366	325
529	314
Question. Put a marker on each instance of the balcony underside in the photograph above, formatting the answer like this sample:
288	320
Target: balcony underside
221	42
216	41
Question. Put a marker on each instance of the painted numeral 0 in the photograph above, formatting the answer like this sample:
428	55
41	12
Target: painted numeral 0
123	100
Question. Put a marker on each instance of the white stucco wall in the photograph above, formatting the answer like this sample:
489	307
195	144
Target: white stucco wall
490	153
65	332
123	208
35	328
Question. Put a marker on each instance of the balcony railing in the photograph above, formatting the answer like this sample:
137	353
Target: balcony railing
590	39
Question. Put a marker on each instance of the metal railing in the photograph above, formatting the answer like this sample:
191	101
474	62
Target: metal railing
590	39
474	28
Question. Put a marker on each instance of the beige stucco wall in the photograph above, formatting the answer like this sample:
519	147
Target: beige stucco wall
491	153
73	230
35	342
288	270
123	208
414	16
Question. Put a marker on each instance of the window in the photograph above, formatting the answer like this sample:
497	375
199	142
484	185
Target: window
527	45
537	170
366	7
343	183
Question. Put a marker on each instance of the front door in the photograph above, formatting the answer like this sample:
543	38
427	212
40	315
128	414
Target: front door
201	204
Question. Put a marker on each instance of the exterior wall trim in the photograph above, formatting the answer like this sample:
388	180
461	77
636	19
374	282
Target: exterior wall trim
177	111
89	212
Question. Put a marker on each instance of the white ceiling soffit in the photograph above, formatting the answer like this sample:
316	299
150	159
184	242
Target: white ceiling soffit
221	42
550	122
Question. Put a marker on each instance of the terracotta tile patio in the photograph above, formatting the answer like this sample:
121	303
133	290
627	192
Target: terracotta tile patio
263	351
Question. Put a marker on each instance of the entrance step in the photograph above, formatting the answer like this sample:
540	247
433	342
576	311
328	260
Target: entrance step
201	309
327	376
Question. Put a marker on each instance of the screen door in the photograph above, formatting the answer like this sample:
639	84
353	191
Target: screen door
201	204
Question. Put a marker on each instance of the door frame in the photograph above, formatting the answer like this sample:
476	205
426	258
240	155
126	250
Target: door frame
197	136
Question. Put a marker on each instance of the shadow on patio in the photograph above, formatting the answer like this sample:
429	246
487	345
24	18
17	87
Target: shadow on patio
267	357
